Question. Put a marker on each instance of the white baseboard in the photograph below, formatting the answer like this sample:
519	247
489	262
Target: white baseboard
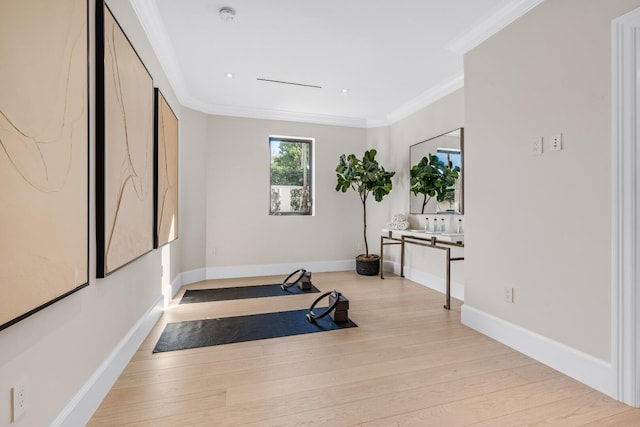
585	368
192	276
228	272
85	402
437	283
177	283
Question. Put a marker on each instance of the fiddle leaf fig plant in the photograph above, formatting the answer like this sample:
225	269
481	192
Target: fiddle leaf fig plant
365	176
432	177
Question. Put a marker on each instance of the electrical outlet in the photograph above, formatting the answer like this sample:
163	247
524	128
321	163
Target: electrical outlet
536	146
19	399
508	295
556	142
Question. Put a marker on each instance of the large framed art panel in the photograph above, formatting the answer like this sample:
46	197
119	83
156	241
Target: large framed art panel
124	148
166	172
44	216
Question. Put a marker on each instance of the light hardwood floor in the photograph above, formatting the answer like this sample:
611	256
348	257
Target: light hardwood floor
410	362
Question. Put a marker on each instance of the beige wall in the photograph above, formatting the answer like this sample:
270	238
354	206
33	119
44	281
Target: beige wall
549	239
193	203
58	349
392	143
239	229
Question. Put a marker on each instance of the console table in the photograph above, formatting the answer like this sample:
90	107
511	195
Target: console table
443	242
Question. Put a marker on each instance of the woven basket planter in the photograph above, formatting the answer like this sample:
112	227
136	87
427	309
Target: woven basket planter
368	266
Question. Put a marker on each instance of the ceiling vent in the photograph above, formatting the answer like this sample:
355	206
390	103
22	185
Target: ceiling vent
287	83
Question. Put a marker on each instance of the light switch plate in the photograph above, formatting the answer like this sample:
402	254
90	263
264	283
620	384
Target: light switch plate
508	295
19	399
556	142
536	146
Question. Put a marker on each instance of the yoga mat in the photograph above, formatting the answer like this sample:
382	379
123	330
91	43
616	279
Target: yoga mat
241	292
226	330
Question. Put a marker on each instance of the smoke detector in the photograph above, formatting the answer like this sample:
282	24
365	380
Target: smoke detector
227	13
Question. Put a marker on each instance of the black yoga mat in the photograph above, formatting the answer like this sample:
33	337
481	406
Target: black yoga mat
241	292
226	330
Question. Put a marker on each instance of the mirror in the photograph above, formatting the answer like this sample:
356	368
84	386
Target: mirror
448	148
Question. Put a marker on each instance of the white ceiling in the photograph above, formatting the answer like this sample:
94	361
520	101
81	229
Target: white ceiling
394	56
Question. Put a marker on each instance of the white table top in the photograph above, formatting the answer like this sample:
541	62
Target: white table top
445	237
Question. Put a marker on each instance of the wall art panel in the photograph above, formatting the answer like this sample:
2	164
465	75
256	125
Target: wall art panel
166	177
124	148
43	154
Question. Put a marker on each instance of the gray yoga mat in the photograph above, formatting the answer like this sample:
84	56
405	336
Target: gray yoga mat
241	292
226	330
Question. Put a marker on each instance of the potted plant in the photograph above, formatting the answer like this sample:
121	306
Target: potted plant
365	177
431	177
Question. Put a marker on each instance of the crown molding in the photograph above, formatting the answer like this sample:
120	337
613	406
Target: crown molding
494	23
153	26
272	114
421	101
152	23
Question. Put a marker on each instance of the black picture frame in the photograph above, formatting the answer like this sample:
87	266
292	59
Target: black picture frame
44	158
166	154
124	148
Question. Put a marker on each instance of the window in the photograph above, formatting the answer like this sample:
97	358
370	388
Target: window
450	156
291	176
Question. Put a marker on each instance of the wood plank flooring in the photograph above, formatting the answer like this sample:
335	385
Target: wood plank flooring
409	363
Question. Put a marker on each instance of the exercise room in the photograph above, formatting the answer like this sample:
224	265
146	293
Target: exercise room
319	213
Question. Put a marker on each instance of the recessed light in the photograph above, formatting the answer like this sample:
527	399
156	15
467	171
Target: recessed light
229	75
345	90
